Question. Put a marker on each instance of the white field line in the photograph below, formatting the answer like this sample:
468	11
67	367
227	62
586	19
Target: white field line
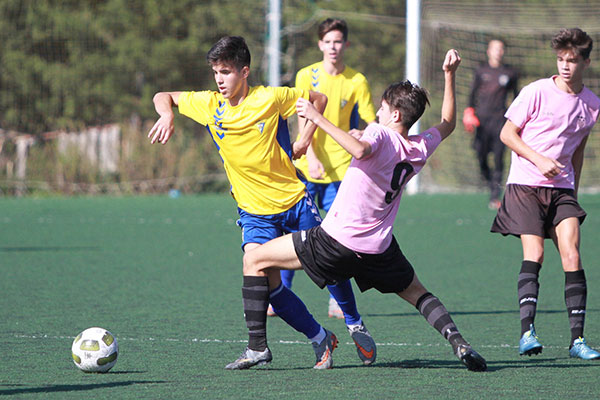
290	342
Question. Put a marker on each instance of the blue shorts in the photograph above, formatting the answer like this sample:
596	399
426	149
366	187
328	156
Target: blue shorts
323	193
262	228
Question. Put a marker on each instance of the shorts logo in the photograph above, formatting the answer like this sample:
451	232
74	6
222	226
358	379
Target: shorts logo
580	121
303	236
343	103
260	126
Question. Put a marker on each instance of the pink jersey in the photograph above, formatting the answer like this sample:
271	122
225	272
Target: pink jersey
365	207
553	123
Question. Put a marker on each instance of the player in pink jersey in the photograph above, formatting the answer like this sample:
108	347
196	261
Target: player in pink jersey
547	128
355	240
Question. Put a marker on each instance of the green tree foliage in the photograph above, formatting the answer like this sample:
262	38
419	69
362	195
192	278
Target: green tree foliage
69	64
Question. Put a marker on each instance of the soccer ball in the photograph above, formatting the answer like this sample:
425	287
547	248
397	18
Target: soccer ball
95	350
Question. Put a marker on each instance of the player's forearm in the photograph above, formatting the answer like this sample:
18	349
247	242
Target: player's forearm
577	161
449	102
163	104
509	135
357	149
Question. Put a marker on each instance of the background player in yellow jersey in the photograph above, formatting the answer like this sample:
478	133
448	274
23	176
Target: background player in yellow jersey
349	100
249	128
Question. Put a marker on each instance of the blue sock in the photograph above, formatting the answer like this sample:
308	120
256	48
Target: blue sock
342	293
292	310
286	278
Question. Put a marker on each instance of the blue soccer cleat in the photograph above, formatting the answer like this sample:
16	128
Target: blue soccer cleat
323	351
365	345
580	349
529	344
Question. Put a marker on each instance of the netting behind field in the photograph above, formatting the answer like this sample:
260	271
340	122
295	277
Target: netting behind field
527	31
72	66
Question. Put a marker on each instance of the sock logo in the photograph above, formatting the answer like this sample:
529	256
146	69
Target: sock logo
526	299
577	311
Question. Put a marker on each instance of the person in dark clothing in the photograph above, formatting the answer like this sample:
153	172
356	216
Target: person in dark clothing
492	83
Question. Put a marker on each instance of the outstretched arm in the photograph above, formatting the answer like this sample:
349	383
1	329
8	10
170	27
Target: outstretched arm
357	148
307	128
163	128
451	63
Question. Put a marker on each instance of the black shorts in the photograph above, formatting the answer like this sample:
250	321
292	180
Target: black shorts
533	210
327	262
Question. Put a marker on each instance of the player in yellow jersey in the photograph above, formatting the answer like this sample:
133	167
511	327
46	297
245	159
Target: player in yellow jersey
349	100
249	128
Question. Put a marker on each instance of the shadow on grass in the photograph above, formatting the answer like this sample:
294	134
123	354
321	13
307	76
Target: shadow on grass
72	388
490	312
18	249
494	365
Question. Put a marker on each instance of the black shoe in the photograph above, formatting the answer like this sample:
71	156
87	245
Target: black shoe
472	360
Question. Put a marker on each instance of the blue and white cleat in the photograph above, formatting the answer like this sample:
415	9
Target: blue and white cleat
529	344
580	349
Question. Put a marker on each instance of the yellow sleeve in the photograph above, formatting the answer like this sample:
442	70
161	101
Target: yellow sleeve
287	98
366	109
195	105
303	79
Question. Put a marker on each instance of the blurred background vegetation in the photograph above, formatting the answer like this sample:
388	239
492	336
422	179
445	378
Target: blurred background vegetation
70	65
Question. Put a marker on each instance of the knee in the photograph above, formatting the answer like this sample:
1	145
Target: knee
570	259
250	263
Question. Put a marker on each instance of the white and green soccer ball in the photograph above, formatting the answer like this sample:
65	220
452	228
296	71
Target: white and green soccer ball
95	350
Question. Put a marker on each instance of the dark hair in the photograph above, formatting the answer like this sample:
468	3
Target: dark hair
573	39
231	50
408	98
333	24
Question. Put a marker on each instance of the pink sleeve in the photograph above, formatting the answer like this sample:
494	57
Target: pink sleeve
521	108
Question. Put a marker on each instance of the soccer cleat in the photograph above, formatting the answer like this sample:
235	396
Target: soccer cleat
365	345
529	344
324	349
580	349
250	358
472	360
271	312
334	309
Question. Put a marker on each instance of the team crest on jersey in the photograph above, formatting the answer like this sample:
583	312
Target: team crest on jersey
581	121
218	117
343	103
503	80
260	126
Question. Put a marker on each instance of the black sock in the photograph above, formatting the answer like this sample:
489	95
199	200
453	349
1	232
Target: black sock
436	314
575	299
255	296
528	289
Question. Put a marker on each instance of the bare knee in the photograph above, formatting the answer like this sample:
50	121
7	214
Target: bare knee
570	260
251	264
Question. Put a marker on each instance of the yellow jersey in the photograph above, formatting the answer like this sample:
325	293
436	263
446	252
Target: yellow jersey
349	96
254	143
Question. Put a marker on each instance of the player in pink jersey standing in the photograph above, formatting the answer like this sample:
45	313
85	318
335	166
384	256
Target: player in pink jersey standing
547	128
355	239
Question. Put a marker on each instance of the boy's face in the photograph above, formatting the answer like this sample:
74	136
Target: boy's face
333	45
229	79
571	66
385	114
495	51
